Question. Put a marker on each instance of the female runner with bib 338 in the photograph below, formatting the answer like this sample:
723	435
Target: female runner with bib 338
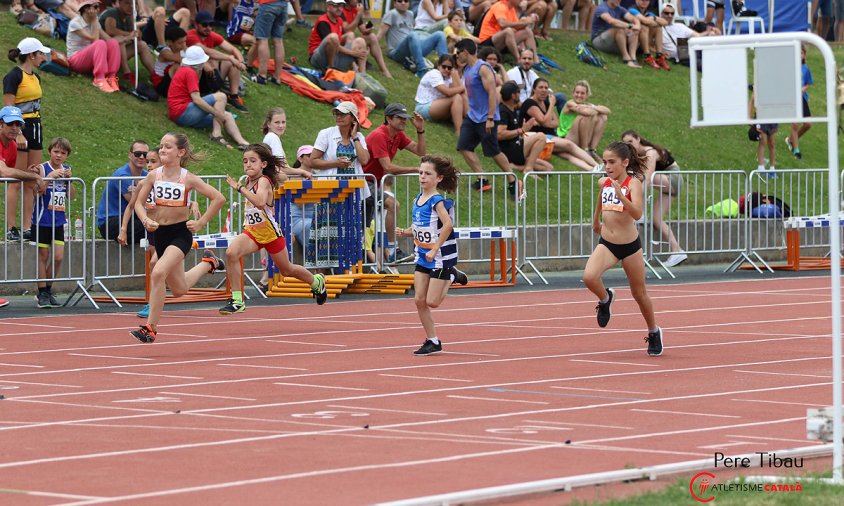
170	185
621	203
260	230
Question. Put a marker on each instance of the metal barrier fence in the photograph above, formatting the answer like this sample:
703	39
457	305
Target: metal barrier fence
111	262
24	261
557	217
805	191
552	221
495	206
688	212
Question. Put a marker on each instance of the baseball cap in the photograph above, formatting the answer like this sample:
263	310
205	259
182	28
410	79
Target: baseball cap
336	2
204	17
307	149
194	55
667	5
10	114
348	108
30	45
396	110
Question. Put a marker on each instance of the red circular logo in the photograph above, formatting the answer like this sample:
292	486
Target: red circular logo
701	482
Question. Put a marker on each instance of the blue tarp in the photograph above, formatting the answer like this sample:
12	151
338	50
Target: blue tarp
789	15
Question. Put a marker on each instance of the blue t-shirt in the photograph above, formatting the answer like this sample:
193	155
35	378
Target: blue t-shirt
600	26
478	97
807	78
635	11
114	191
49	208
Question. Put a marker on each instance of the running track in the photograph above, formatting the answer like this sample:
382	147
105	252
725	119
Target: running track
309	405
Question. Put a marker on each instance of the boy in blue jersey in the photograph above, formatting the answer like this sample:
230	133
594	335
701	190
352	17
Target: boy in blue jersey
49	217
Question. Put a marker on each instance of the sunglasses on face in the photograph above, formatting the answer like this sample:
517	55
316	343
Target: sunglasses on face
16	123
666	13
140	154
338	114
204	24
446	67
401	1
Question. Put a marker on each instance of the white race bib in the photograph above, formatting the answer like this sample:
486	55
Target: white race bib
58	200
424	237
169	194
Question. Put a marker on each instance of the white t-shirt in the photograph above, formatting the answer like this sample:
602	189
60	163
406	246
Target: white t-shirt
677	31
427	91
76	42
274	142
524	79
327	141
423	19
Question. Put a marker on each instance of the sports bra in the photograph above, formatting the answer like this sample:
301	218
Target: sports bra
169	193
609	199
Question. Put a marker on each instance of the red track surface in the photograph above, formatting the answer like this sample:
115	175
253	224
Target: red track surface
272	406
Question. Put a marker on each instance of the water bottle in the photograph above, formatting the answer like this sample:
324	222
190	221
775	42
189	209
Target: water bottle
78	228
67	236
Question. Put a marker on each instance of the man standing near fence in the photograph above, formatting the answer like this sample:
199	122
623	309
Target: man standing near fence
479	125
383	143
117	193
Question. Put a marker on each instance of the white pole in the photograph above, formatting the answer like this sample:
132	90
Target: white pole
134	37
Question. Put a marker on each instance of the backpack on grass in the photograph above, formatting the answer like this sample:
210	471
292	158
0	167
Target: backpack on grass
759	205
588	54
56	64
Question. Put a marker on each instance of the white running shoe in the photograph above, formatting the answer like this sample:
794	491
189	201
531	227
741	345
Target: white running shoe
676	259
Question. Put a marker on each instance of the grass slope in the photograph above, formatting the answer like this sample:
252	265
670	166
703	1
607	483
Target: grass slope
656	103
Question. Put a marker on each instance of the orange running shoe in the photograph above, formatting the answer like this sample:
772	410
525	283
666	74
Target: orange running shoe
650	61
660	60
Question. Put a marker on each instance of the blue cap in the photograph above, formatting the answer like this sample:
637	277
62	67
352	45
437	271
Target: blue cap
10	114
204	17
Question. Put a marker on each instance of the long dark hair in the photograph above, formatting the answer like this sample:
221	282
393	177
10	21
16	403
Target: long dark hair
636	164
444	167
664	154
273	162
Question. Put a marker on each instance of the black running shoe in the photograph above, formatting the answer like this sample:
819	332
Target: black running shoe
482	185
320	292
26	235
43	300
53	301
13	234
428	347
603	309
144	334
460	277
654	340
232	307
216	262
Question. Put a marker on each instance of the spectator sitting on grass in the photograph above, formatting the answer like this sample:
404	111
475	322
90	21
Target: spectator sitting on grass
503	29
404	44
440	95
227	58
186	107
616	31
329	49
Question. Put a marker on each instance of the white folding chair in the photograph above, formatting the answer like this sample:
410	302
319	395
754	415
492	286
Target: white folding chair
734	25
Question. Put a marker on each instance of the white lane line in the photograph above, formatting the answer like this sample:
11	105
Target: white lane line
40	384
210	396
264	367
613	363
57	495
475	354
24	365
803	441
425	378
109	356
683	413
440	364
724	445
303	342
156	375
496	399
584	425
332	387
388	410
604	390
815	404
786	374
